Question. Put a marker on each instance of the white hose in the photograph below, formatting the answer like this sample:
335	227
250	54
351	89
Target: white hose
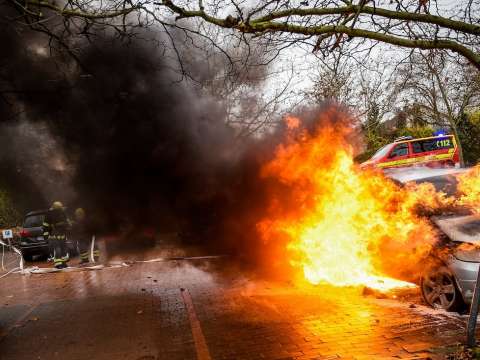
92	259
18	252
3	255
36	270
11	271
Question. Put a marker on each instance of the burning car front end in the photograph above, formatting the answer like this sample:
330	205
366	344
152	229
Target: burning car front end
465	274
460	253
450	270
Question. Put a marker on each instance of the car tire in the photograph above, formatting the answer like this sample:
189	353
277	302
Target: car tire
440	290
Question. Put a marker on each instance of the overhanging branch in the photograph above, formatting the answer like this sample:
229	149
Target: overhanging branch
265	24
396	15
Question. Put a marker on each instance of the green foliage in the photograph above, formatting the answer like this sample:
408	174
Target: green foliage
9	215
461	352
469	133
374	141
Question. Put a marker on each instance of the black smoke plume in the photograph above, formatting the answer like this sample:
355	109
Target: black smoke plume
142	152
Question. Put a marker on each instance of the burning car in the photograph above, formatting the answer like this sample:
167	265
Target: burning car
449	278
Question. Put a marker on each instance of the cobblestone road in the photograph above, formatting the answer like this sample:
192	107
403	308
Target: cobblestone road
188	310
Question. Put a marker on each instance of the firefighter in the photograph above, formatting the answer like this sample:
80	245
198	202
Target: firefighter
55	227
86	243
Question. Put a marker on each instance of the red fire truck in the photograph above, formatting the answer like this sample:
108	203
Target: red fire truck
435	151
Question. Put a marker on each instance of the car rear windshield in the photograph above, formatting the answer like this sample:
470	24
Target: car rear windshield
34	220
427	145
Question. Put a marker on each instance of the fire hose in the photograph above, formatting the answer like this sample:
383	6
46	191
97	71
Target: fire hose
118	264
36	270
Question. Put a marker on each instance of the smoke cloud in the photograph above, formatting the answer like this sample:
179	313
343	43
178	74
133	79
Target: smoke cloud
141	151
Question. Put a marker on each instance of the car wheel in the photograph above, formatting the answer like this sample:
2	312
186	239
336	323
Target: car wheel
440	291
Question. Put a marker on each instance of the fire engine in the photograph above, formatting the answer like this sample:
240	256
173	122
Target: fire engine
434	151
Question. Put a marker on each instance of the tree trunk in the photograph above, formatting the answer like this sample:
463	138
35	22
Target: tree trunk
451	117
453	125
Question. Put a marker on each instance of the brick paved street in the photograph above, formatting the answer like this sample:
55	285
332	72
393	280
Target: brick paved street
183	309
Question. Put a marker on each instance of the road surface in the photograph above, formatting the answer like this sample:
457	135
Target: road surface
205	309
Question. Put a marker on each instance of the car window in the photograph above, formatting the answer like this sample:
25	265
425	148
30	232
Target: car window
34	220
382	152
399	150
433	144
417	147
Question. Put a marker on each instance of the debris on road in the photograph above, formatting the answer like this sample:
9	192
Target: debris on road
464	353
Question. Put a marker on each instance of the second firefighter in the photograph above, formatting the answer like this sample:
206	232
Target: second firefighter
86	241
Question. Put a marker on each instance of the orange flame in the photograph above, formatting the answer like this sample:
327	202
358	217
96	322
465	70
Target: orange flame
343	225
469	187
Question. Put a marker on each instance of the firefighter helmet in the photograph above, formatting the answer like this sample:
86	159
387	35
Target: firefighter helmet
80	214
57	205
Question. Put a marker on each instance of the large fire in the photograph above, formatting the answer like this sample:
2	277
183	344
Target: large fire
344	225
469	186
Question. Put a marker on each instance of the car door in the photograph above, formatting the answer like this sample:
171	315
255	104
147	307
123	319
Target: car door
399	156
418	154
443	148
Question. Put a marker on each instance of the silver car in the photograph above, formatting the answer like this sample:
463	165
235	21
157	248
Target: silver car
449	280
451	270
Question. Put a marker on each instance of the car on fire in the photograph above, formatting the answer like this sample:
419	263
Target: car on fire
449	280
32	241
450	271
435	151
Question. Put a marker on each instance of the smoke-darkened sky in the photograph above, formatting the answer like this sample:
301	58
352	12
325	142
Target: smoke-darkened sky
124	139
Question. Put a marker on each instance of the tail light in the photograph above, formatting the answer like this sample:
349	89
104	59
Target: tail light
25	233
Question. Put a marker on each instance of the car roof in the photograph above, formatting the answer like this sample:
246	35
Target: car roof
424	138
442	179
461	228
421	173
36	212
